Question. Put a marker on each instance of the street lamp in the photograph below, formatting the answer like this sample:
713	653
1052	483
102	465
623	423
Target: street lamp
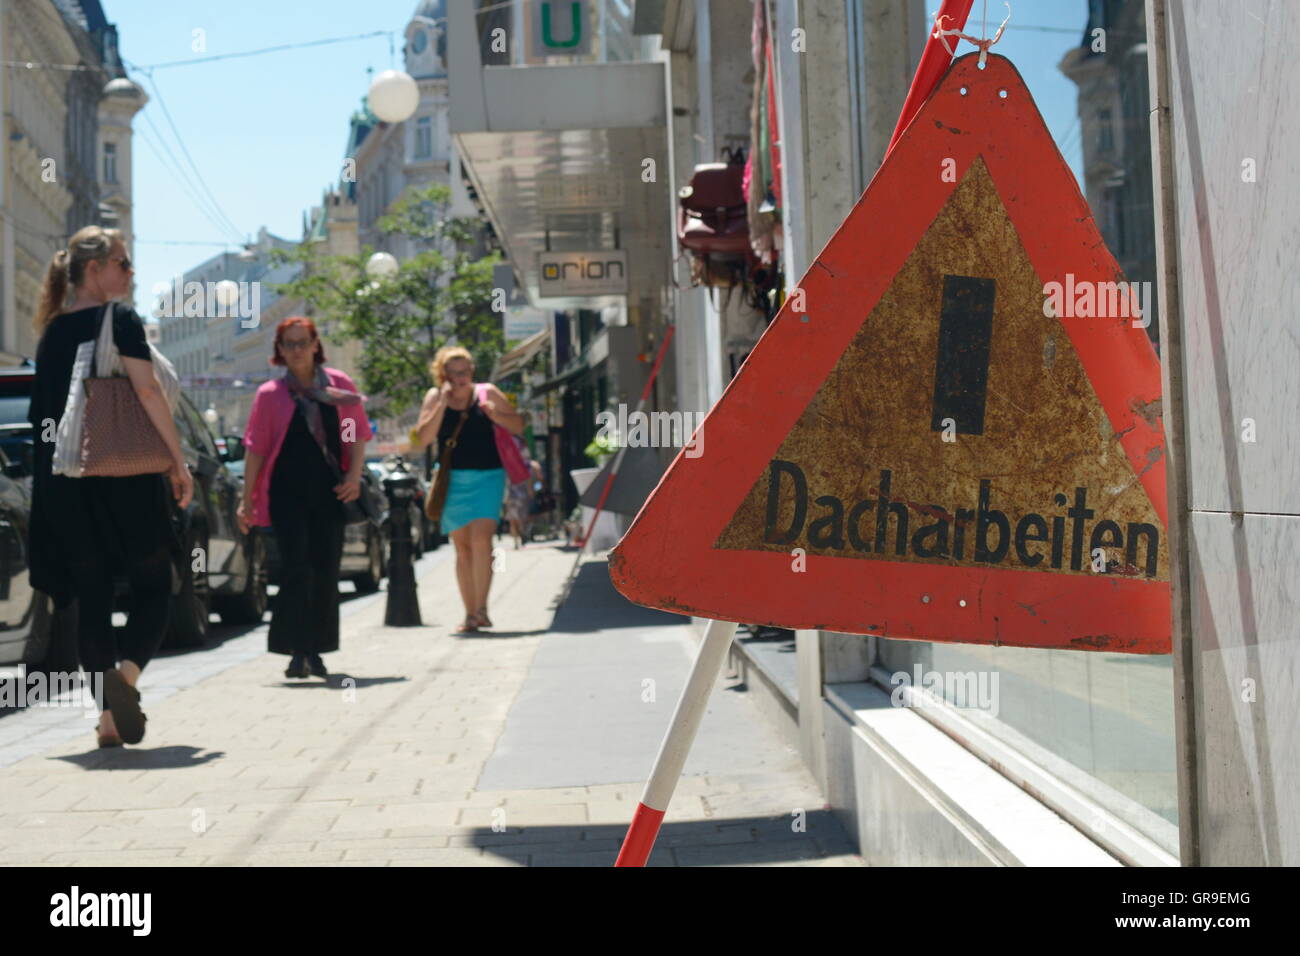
226	293
393	96
382	265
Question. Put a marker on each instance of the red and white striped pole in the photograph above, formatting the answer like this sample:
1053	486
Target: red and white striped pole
622	450
677	744
935	60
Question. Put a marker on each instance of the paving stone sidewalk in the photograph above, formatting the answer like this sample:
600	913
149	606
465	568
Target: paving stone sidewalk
558	710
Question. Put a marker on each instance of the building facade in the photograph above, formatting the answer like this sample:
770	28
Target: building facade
1088	758
66	130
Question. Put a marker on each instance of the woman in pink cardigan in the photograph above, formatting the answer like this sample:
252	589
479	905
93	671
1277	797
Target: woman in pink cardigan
306	441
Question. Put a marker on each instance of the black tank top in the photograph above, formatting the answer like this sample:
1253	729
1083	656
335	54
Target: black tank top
476	447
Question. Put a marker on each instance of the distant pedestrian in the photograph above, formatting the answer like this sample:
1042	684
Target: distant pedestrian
464	419
85	529
306	441
519	498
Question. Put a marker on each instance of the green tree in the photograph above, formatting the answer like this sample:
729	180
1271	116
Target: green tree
441	296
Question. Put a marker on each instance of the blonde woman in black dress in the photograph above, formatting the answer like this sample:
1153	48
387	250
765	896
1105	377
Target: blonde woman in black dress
83	530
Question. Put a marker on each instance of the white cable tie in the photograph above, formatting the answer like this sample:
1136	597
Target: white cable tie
983	43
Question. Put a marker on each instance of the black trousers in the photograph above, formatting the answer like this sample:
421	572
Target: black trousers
109	526
310	540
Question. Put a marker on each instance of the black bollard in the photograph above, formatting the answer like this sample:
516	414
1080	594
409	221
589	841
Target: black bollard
403	609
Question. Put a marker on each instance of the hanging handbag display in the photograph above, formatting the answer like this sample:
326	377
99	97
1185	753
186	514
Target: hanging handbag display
712	214
105	430
436	499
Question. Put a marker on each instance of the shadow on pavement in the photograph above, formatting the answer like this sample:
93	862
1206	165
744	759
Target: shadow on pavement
592	604
336	682
142	758
489	635
727	841
218	634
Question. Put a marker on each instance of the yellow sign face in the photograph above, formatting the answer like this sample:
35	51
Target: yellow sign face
958	428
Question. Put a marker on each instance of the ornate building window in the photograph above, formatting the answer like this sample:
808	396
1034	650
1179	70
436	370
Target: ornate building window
110	162
424	137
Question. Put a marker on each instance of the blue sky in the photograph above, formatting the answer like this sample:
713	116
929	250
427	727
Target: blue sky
1036	53
267	132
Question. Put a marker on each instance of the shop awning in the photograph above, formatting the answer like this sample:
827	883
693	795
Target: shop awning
519	356
564	158
564	378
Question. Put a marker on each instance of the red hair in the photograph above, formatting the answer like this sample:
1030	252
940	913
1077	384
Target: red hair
296	322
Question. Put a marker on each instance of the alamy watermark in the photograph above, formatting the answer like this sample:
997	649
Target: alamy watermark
20	689
127	910
209	300
1086	299
963	690
640	429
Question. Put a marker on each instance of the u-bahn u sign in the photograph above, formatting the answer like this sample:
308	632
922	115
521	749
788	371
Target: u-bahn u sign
933	440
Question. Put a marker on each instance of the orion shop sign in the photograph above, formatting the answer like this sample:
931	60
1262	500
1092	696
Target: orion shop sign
602	272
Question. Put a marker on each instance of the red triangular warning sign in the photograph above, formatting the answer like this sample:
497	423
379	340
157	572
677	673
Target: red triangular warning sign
951	431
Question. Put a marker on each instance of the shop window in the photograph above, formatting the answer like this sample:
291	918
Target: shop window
1102	723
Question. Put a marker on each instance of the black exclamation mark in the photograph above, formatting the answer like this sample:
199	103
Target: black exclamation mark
961	370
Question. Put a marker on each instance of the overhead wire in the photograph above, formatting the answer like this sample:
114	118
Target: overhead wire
194	166
173	165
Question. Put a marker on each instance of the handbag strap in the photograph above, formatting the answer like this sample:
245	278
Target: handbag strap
106	354
450	444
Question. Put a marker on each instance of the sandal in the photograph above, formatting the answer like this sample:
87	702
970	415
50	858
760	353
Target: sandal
469	625
483	620
108	740
124	701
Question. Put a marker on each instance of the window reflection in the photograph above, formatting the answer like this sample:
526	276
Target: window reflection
1103	723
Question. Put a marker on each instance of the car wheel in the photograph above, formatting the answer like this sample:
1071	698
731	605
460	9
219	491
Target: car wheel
249	606
53	649
190	609
368	581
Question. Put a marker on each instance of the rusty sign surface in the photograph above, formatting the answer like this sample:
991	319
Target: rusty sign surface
951	431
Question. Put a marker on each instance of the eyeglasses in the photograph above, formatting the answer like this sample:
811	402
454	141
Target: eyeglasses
289	345
125	260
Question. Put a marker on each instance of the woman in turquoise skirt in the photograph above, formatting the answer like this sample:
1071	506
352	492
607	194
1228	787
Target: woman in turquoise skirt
478	478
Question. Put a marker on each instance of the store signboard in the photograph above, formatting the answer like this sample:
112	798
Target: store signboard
561	28
522	322
599	272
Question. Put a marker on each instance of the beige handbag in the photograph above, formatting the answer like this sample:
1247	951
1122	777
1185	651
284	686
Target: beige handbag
118	438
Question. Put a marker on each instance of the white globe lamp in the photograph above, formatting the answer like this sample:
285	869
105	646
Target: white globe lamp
227	293
393	96
382	265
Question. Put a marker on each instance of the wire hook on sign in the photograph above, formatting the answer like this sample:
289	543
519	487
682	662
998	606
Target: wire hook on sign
942	35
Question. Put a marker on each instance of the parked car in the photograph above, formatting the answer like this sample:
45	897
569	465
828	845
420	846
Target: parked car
230	577
365	547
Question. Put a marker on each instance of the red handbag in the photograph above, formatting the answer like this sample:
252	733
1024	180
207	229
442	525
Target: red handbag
512	460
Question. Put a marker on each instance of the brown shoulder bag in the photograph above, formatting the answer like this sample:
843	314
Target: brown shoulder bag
437	498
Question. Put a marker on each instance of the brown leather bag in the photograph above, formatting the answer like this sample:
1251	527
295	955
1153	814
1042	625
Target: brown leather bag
437	497
118	438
